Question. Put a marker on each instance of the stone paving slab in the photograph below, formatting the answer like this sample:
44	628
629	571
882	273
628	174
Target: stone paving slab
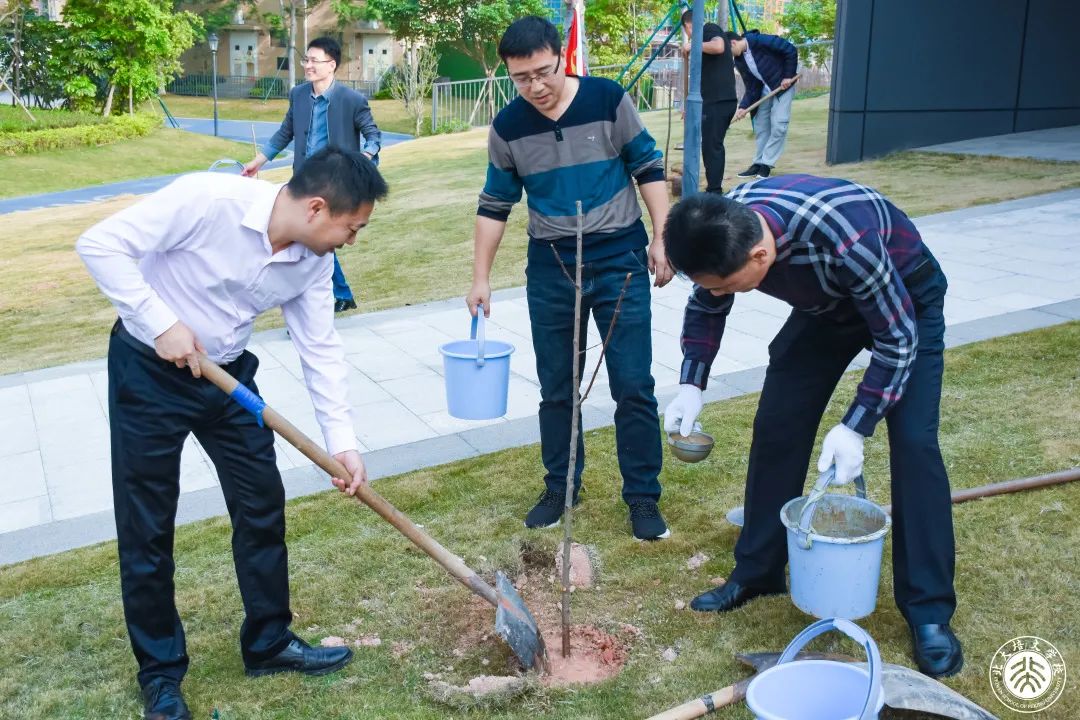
54	445
1057	144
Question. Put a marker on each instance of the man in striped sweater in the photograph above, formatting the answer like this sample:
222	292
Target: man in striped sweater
564	139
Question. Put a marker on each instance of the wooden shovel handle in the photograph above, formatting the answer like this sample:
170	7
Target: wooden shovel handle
774	93
453	564
1010	486
706	704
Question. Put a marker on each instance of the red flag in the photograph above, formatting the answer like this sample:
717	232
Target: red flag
575	42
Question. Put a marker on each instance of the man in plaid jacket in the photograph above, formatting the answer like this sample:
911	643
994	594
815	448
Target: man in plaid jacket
857	274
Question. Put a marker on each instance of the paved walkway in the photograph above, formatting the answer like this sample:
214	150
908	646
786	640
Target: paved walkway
1012	266
238	130
1058	144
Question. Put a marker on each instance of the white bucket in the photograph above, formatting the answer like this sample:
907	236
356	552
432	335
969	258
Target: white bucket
820	689
835	543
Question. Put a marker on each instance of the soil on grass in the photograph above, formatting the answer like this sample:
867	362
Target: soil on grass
595	656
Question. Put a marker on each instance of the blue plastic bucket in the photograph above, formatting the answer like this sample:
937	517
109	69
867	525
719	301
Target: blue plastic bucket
834	545
477	373
820	689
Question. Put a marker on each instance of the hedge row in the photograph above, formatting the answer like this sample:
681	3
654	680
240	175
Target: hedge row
13	119
121	127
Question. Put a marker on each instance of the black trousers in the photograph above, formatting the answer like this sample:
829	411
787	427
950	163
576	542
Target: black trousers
715	119
806	360
153	405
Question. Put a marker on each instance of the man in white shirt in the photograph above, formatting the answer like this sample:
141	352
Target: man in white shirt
189	268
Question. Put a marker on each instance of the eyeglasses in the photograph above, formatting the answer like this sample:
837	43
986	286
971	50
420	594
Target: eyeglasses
313	61
542	76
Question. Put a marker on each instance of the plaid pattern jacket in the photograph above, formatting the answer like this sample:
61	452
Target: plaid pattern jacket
842	250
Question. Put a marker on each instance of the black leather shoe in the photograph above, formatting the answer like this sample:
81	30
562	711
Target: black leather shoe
300	657
937	650
343	305
731	595
162	701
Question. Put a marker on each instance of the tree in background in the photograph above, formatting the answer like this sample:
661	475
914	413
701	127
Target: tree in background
133	45
472	27
410	81
616	29
807	20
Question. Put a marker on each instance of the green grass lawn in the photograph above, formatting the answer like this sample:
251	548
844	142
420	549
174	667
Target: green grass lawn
389	114
163	152
1009	410
418	246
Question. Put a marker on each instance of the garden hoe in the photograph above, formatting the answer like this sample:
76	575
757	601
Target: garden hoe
513	621
906	692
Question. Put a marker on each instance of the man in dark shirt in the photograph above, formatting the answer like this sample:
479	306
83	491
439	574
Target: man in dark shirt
858	275
718	97
766	63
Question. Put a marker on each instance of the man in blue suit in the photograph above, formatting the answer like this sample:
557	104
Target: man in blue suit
323	112
766	63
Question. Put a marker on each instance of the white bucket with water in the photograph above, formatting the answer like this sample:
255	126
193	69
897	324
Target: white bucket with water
835	543
820	689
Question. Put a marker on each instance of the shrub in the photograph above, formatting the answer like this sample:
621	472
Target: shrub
116	128
13	119
269	87
452	126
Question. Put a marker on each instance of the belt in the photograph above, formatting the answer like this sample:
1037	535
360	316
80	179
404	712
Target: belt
127	338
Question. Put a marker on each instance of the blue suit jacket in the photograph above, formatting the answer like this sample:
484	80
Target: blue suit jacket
776	59
349	123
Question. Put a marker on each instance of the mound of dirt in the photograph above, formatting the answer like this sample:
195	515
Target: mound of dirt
595	656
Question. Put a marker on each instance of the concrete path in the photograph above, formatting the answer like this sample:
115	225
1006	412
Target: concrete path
1058	144
239	130
1013	266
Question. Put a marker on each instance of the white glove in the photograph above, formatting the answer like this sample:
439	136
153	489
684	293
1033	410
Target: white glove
681	413
842	447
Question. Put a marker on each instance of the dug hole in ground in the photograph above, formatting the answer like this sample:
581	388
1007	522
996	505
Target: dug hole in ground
596	655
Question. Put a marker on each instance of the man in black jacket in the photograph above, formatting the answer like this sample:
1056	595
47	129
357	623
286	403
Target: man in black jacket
766	63
717	96
321	113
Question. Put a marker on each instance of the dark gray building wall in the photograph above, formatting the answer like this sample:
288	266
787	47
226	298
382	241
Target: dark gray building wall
918	72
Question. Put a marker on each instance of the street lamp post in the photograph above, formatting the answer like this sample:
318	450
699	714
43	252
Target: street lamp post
213	40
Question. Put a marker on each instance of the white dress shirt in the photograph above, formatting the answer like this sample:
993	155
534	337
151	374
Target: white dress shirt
749	57
197	251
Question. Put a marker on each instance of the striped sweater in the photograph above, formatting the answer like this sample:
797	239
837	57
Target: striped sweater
590	154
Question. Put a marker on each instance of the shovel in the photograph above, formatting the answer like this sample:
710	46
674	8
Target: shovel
906	691
513	621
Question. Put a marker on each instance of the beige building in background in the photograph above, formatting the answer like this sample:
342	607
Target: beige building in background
247	48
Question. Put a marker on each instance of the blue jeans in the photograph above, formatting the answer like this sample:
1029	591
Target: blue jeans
342	291
629	360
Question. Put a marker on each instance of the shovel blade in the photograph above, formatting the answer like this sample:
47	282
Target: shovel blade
517	626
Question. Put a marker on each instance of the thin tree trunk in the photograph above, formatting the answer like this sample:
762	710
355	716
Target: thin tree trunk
131	101
568	507
109	100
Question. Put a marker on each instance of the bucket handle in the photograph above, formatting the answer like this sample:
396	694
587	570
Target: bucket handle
857	634
476	332
818	492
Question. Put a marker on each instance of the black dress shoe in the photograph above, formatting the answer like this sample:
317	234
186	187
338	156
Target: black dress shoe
937	650
162	701
300	657
343	305
731	595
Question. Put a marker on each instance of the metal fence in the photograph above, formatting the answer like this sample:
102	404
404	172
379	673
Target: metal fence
469	103
474	103
246	86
